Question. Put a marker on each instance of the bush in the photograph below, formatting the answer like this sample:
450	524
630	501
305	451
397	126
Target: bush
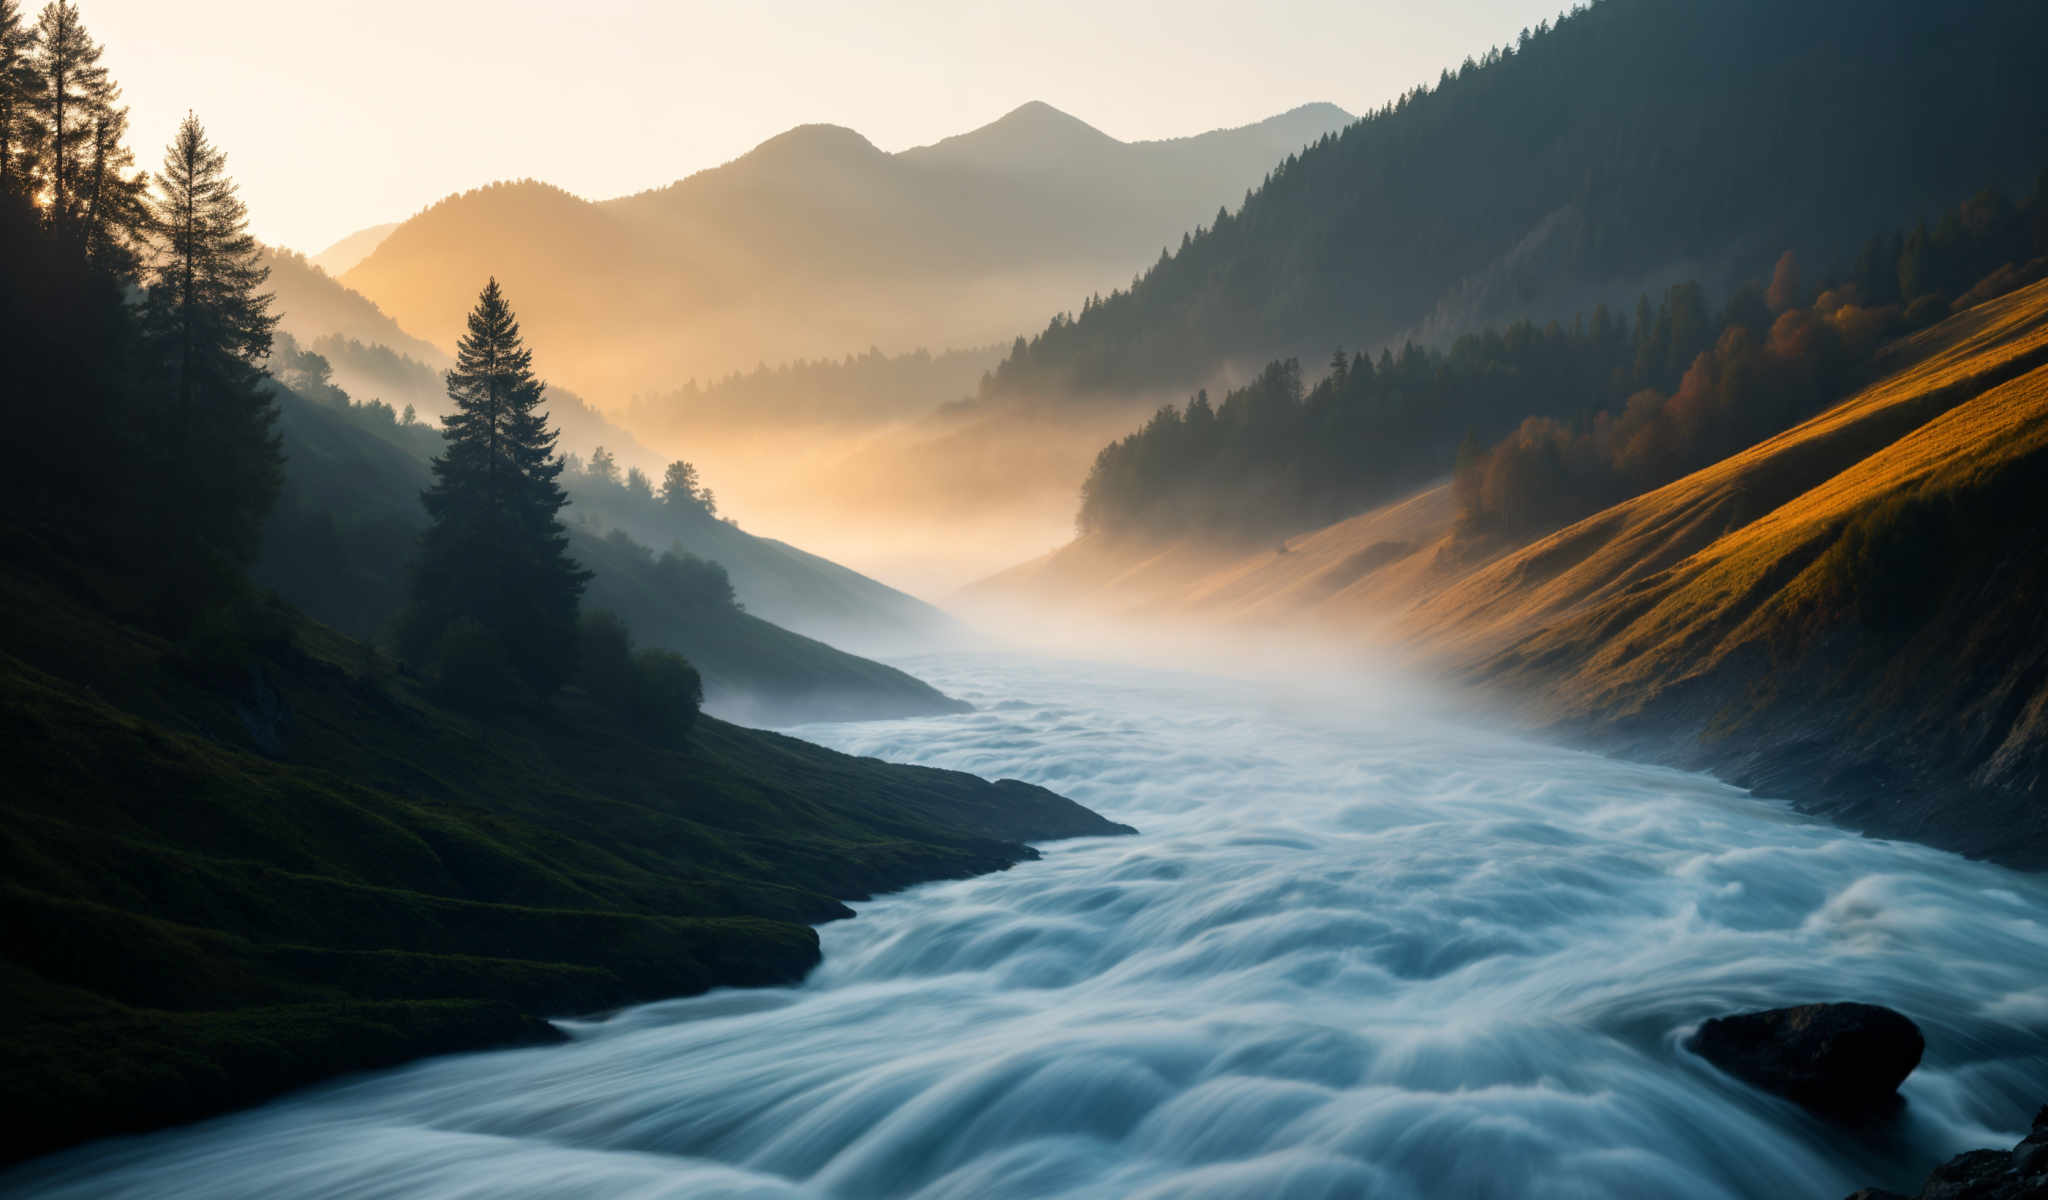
667	693
655	692
604	659
470	669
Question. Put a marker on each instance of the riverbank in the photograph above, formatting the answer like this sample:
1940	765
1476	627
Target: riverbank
1364	946
238	864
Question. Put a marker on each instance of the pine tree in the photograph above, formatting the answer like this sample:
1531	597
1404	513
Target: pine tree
17	79
680	486
62	109
111	206
210	328
495	569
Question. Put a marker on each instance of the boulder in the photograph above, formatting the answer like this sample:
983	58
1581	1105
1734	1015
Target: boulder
1844	1060
2018	1174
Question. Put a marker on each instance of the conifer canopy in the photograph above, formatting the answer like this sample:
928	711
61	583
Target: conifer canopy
495	573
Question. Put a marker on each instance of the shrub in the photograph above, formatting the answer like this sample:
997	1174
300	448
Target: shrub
667	693
470	669
604	659
654	692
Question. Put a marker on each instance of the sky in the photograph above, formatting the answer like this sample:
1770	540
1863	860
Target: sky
338	116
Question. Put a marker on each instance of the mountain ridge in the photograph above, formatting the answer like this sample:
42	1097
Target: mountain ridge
776	254
1632	139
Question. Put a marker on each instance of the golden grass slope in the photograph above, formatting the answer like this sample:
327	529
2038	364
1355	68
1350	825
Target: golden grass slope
1661	588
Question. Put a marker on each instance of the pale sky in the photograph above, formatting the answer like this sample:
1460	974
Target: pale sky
348	113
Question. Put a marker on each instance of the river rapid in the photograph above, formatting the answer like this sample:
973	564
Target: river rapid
1360	948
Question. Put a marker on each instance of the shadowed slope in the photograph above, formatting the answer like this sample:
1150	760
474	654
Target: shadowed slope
192	923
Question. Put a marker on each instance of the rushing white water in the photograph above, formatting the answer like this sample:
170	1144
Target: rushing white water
1355	951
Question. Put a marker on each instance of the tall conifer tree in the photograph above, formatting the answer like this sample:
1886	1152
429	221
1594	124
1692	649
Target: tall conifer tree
496	553
62	106
17	79
210	327
112	206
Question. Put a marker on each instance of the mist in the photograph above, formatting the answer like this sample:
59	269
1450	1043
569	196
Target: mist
1487	649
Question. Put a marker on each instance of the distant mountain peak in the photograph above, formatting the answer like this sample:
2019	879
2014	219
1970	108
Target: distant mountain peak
1032	136
1038	116
1312	119
818	141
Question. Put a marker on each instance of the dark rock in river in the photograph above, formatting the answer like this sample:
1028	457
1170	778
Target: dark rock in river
2018	1174
1840	1059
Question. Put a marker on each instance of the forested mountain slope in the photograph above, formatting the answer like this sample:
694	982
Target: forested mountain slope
1849	612
817	242
1637	142
348	524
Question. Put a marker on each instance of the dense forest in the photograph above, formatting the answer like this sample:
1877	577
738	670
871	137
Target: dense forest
136	300
1544	424
1633	143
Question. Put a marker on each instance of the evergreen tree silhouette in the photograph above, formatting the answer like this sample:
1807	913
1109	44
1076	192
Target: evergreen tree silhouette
495	559
62	111
17	80
209	326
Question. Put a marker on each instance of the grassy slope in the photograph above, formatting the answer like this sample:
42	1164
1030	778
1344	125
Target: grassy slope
188	924
1723	527
1849	612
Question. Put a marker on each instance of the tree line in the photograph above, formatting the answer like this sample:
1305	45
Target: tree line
1541	424
681	496
136	327
145	366
1767	369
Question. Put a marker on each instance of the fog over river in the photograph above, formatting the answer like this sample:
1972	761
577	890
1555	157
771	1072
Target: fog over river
1358	949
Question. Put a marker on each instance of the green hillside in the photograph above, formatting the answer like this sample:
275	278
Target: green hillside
239	863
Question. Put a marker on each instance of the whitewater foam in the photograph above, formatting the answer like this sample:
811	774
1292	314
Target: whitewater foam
1355	951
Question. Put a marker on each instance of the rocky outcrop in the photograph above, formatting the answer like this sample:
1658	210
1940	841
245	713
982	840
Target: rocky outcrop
2017	1174
1845	1060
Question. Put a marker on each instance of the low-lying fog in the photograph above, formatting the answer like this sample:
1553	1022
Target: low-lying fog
1361	947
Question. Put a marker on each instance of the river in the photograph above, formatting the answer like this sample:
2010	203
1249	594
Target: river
1360	947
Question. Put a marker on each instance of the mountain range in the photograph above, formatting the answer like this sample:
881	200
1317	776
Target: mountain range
1632	144
817	242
